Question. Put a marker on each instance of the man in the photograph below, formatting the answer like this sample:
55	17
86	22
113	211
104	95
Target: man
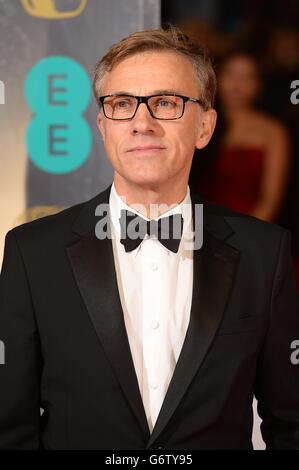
153	342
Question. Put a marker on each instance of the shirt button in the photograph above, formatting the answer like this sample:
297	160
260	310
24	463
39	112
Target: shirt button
154	385
155	325
154	266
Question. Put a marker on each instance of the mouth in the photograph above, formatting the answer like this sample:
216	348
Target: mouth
146	149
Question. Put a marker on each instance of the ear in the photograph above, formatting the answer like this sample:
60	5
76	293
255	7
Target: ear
206	128
100	124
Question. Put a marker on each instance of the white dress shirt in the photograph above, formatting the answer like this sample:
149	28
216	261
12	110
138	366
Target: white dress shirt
155	288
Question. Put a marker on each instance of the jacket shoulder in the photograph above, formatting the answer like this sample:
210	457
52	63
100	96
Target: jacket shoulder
247	227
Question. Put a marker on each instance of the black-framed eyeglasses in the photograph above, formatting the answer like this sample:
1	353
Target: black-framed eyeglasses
166	106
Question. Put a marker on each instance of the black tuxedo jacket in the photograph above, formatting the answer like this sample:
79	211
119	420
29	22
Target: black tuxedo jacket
67	351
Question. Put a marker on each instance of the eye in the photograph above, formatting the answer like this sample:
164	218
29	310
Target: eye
122	103
165	103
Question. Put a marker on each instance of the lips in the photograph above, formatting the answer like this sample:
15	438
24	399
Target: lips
145	147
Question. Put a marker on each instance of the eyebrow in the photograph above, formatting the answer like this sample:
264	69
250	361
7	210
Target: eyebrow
155	92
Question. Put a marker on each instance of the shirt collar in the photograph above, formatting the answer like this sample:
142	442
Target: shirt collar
117	203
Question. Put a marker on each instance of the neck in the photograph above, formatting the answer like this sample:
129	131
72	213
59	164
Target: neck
152	199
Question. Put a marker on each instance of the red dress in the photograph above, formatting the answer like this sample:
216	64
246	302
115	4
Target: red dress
235	180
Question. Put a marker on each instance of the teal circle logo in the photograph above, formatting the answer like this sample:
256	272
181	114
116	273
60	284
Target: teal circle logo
58	91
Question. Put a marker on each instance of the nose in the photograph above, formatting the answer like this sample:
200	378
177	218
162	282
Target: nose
143	122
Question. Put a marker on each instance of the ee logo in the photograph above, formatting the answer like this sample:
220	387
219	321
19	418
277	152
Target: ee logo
58	90
47	9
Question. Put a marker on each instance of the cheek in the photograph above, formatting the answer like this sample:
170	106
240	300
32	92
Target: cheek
252	89
184	143
113	139
225	84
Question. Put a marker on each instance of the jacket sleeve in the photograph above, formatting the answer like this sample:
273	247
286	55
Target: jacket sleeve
277	381
20	361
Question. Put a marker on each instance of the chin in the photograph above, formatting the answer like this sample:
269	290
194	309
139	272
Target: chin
148	181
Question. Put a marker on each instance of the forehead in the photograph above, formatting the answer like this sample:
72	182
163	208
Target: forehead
150	71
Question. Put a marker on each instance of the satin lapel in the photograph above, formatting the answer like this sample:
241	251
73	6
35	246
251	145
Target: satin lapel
214	270
92	263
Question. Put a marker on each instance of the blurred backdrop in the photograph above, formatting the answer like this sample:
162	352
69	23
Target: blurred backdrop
51	155
251	164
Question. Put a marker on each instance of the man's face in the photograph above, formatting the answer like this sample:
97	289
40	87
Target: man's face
147	151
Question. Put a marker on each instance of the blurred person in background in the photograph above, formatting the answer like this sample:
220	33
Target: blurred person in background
249	165
247	168
281	73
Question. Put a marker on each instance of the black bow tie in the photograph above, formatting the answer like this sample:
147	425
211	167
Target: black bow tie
168	230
